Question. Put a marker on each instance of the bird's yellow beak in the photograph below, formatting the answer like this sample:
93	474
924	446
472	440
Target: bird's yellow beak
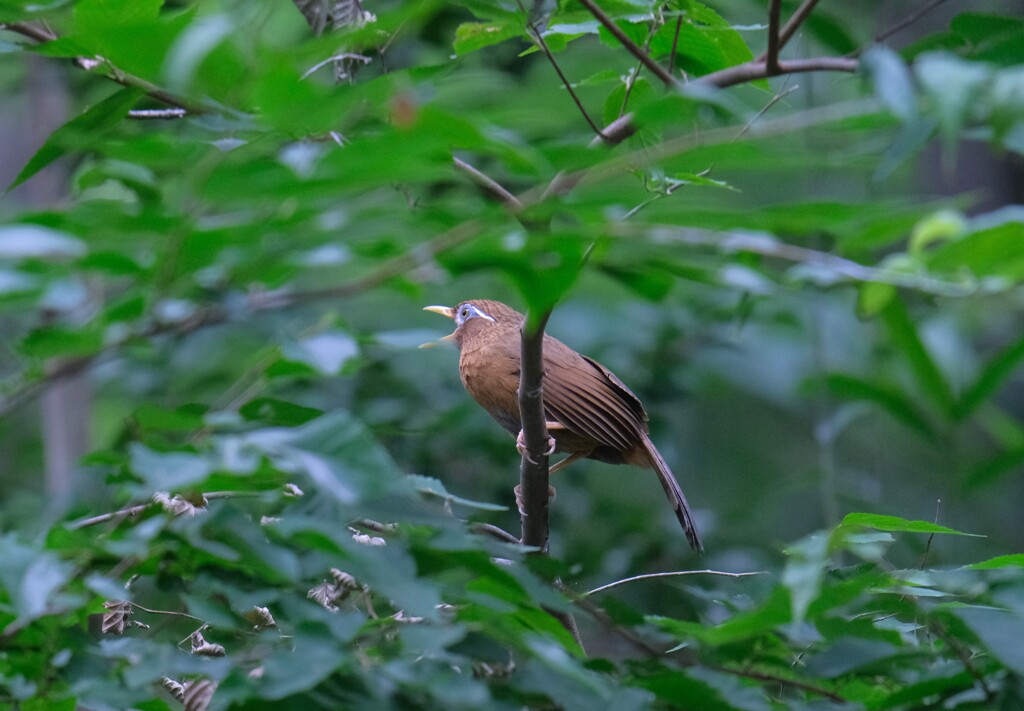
443	310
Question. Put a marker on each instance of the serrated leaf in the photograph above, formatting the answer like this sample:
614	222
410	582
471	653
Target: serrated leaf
882	522
1015	560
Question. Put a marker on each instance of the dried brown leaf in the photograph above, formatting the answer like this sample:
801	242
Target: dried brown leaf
118	618
198	694
260	618
174	688
206	649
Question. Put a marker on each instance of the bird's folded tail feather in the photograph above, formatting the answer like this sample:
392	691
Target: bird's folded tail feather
675	495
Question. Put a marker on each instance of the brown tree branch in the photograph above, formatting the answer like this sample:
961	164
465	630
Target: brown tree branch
793	24
631	46
771	59
499	534
533	471
27	29
755	70
112	72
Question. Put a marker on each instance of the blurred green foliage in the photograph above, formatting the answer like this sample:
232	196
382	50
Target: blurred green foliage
281	499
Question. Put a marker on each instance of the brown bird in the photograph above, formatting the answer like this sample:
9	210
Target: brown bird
590	412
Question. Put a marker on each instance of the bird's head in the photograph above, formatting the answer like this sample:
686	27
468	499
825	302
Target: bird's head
476	318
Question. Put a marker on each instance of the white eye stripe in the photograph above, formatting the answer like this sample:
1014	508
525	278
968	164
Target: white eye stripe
468	311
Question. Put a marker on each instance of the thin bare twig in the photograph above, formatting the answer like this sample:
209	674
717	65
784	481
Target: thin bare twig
133	511
645	59
908	20
781	680
675	45
535	33
771	59
964	655
492	186
172	613
533	472
779	96
499	534
673	574
635	74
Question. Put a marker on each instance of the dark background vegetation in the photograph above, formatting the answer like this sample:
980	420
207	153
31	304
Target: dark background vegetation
812	281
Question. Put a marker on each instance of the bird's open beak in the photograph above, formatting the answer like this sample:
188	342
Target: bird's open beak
443	310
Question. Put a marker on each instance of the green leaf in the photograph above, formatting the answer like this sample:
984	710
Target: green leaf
895	524
434	487
954	86
80	133
30	577
169	471
805	569
1015	560
892	400
182	419
273	411
873	297
892	81
905	337
99	15
999	630
706	41
775	611
650	283
990	37
987	471
56	341
939	227
993	247
992	376
326	352
473	36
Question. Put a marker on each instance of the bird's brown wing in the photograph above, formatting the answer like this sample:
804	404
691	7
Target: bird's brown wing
590	401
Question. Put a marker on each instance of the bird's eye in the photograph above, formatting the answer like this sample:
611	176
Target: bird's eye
464	312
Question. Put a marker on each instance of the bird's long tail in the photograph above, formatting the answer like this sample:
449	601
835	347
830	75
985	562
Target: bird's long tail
675	495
